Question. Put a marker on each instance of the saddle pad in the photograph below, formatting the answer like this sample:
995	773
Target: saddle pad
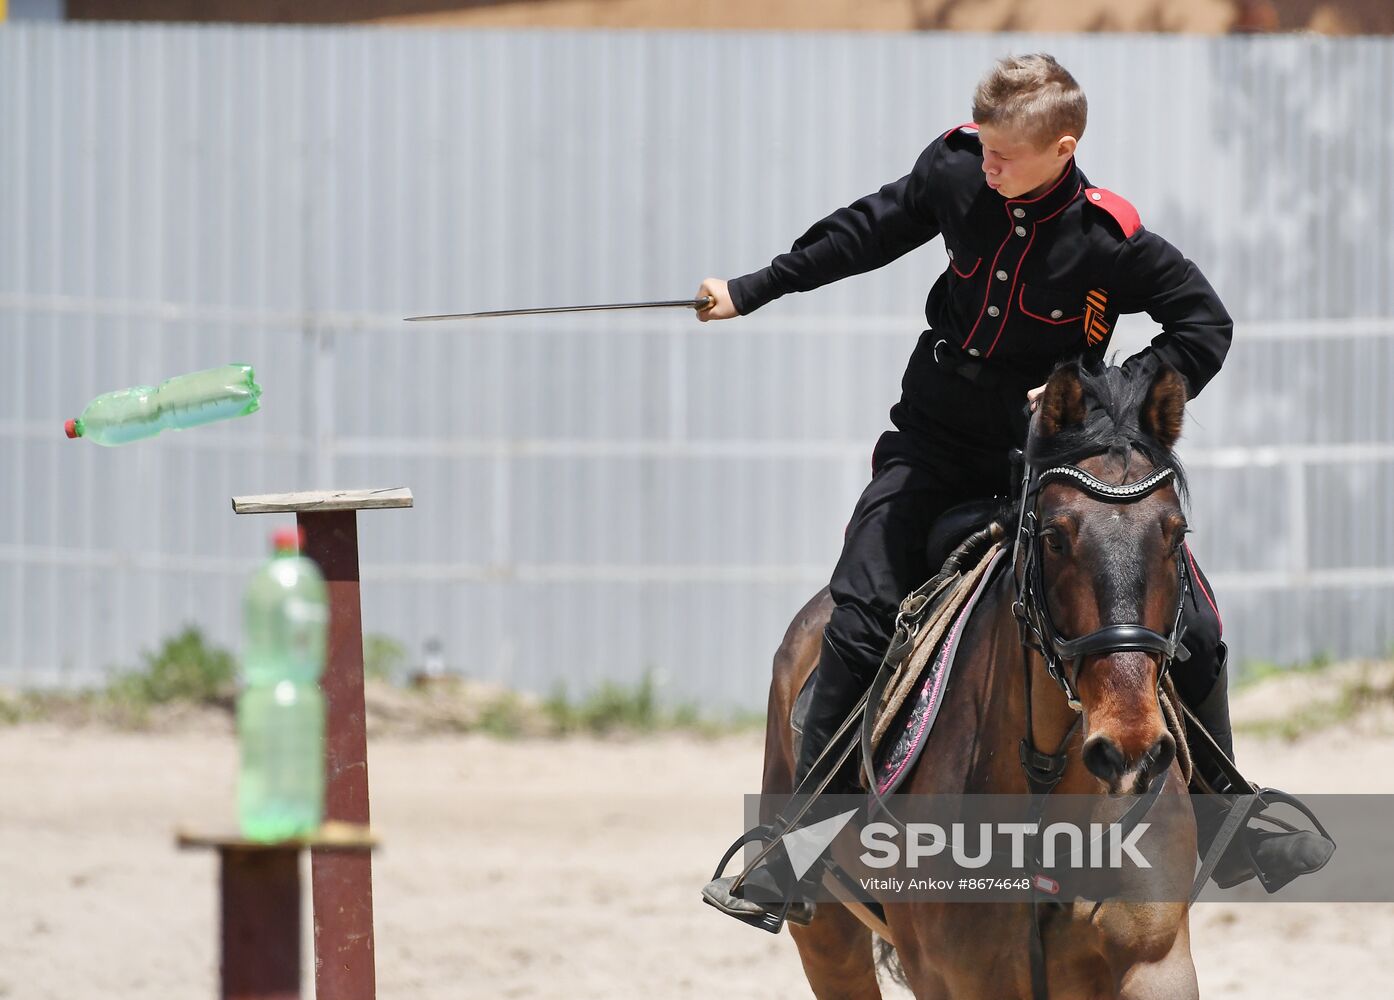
909	731
803	701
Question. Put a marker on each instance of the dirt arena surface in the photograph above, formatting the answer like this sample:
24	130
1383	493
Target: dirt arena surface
537	868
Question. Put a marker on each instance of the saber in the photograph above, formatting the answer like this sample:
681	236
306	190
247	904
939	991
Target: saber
705	302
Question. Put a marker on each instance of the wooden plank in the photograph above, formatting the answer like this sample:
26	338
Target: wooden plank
317	500
331	836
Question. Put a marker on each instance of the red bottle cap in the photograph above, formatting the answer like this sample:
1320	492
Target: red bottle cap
70	428
288	539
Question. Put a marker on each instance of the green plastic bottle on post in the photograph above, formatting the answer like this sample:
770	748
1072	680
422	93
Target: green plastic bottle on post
280	711
184	401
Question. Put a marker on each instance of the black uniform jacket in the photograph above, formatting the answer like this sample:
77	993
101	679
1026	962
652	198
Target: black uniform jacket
1029	281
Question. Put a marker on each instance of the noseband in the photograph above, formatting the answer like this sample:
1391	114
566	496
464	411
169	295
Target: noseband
1064	657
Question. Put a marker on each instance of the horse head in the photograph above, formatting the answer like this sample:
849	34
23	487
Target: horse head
1104	549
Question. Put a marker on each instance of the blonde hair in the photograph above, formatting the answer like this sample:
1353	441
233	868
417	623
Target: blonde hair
1032	94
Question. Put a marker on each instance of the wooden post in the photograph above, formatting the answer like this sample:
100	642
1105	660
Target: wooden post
342	883
259	907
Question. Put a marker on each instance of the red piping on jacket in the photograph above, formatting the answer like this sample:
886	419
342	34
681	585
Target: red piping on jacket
1058	181
954	266
1007	206
1007	312
1021	304
1201	587
987	295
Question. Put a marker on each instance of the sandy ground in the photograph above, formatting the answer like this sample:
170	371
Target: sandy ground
529	869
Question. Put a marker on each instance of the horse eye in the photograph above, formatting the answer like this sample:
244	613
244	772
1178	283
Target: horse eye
1052	540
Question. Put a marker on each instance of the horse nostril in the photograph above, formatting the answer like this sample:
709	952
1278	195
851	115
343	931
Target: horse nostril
1103	758
1160	755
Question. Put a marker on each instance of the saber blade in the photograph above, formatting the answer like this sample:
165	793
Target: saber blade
705	302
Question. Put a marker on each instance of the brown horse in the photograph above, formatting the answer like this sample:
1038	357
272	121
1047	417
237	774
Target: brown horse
1103	563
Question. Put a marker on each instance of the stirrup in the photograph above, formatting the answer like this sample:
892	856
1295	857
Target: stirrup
719	892
718	895
1231	864
1252	838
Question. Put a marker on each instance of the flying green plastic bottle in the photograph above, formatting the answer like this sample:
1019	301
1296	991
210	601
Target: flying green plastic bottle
280	712
183	401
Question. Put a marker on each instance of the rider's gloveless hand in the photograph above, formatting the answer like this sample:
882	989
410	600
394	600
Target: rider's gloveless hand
722	307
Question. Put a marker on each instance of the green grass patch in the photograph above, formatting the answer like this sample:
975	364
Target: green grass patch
1352	698
12	709
186	668
609	708
507	717
384	658
637	708
1253	672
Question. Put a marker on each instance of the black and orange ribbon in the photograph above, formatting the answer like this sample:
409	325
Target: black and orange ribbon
1095	325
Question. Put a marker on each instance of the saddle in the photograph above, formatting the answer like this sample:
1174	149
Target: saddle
938	601
961	543
909	703
952	543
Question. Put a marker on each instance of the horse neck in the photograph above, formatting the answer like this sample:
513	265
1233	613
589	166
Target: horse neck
1004	710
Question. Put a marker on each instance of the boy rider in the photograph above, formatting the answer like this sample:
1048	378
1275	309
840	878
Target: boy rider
1040	265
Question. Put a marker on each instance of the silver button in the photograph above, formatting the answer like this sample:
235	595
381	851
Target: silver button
1021	230
1096	196
974	352
1001	275
993	311
1056	314
1020	213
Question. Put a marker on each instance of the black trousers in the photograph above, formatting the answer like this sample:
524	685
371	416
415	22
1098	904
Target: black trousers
951	444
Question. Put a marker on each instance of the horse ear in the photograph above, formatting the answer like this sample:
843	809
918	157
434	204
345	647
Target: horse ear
1162	409
1062	404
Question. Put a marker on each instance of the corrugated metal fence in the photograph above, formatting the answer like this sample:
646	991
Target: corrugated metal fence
601	497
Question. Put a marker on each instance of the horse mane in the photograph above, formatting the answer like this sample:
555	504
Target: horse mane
1113	398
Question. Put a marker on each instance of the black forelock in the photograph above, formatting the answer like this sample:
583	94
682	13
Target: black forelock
1113	400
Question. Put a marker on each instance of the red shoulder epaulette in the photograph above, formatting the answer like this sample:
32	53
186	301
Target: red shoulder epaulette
1117	206
971	128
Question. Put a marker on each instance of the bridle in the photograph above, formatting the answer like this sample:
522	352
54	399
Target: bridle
1064	657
